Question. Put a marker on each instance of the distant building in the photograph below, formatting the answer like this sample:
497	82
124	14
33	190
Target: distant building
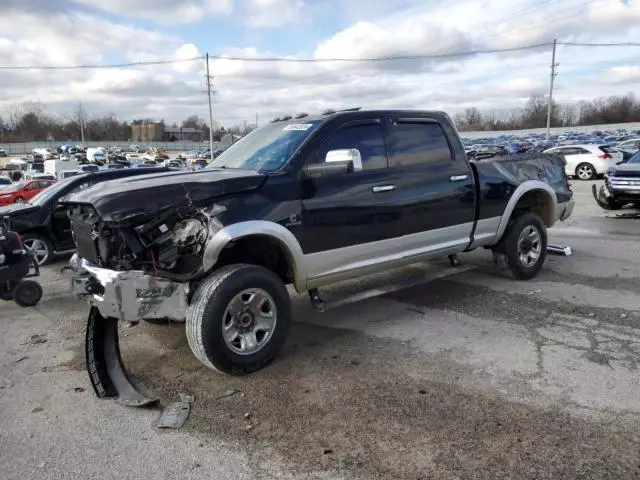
158	132
173	134
147	132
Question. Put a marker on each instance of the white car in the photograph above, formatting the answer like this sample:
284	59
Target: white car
587	161
630	146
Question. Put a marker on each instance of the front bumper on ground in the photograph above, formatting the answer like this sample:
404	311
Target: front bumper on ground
129	295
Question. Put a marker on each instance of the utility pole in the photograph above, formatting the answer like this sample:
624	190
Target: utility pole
209	82
80	120
256	120
553	76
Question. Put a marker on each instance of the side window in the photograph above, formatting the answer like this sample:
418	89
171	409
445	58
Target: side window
367	138
419	143
582	151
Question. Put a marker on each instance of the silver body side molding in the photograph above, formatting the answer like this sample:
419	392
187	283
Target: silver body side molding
322	268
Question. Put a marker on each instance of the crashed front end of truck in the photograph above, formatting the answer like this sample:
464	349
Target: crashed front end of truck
142	245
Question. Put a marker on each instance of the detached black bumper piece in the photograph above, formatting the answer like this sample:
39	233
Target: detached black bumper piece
104	364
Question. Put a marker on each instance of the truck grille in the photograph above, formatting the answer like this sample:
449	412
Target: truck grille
627	184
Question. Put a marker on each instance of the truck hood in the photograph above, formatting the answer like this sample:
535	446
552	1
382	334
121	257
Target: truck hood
18	209
624	170
147	195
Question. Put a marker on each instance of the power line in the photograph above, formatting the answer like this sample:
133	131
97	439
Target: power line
281	59
620	44
389	58
88	67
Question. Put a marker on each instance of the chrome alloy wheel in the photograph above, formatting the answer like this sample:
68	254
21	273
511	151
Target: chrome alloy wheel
529	246
39	250
249	321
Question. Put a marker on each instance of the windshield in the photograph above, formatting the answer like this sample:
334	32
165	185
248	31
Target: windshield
50	192
267	148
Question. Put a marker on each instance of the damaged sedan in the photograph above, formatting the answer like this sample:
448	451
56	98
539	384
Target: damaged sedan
302	202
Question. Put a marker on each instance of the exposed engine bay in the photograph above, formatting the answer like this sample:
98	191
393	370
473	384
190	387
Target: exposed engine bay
169	245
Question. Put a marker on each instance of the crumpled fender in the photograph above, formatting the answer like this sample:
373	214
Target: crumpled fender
603	198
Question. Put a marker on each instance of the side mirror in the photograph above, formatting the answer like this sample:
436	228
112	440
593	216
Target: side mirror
318	170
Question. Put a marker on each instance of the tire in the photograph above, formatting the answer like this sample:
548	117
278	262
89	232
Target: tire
43	244
585	171
507	254
210	311
27	293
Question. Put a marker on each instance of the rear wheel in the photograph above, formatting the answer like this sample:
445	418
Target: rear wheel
585	171
27	293
523	247
238	319
40	246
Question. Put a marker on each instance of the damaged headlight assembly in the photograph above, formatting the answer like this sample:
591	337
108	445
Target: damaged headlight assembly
132	272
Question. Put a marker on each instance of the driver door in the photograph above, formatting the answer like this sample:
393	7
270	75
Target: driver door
60	222
350	209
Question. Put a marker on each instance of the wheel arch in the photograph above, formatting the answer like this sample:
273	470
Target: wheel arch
532	196
258	235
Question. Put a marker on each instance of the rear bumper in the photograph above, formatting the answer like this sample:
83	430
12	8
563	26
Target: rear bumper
565	209
128	296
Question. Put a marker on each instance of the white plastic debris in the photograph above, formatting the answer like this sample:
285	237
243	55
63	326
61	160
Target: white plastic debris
559	249
175	414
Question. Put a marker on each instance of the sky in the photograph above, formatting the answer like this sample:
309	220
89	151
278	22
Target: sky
107	32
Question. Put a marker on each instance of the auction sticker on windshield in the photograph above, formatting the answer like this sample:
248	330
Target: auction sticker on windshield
297	126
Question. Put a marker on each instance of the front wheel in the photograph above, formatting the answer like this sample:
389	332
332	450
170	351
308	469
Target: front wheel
238	319
523	247
40	246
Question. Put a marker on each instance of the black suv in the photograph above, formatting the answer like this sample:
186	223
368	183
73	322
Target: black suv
44	224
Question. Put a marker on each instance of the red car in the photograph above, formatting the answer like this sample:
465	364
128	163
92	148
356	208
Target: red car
22	191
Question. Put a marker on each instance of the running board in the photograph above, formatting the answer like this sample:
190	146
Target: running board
104	364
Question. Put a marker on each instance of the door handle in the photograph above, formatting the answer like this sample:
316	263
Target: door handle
383	188
458	178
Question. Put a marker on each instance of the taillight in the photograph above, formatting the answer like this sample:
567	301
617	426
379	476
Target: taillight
605	156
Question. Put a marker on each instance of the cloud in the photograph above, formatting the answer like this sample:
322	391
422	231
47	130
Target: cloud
273	13
54	32
162	11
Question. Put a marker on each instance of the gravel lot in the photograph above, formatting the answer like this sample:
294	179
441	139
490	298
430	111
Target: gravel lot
467	375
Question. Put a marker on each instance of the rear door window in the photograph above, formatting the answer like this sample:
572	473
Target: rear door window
418	143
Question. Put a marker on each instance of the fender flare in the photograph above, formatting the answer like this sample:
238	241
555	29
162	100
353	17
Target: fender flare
258	227
524	188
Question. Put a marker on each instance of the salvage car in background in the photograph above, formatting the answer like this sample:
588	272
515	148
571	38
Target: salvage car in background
621	185
22	191
44	225
586	162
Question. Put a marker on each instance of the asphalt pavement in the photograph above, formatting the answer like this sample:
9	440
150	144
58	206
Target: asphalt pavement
423	372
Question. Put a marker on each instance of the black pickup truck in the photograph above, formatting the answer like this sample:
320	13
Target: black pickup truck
305	202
